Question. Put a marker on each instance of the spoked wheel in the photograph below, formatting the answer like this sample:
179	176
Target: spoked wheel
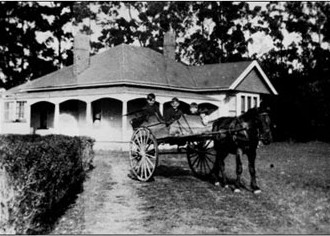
143	154
201	157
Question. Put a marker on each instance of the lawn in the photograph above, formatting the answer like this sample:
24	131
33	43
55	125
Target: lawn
295	198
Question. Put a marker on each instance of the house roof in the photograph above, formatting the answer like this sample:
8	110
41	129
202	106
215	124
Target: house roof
137	66
218	75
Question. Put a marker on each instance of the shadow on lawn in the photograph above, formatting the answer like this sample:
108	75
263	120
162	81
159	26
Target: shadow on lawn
170	171
50	218
175	171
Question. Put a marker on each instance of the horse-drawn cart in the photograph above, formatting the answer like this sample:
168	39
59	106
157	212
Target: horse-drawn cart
188	133
206	146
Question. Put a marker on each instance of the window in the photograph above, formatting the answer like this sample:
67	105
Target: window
255	99
14	114
20	110
9	106
242	104
247	102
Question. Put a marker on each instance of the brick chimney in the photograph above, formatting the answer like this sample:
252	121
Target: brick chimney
169	44
81	57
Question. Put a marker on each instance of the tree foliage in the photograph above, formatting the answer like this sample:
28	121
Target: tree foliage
23	55
208	31
20	52
300	70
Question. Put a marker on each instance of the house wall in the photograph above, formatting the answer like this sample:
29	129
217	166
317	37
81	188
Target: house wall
230	105
74	112
15	128
220	103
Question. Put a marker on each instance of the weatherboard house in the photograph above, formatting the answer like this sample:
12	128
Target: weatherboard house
94	95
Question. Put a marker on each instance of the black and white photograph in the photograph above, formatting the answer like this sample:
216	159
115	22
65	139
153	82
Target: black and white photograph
164	117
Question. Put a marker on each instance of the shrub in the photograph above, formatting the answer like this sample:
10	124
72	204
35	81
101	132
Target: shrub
87	152
36	174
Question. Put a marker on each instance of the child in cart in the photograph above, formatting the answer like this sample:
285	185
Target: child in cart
173	113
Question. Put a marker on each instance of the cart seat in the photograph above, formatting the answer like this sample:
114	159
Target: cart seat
189	124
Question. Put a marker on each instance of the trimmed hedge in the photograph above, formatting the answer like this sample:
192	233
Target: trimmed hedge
37	173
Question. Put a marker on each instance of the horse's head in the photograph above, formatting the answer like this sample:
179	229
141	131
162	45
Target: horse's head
260	124
264	127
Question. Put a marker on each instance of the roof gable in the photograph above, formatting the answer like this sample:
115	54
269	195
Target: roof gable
253	83
263	78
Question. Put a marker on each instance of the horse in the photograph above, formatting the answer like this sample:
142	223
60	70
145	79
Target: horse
241	135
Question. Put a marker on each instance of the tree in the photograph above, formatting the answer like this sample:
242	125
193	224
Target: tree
20	52
300	70
23	56
144	24
225	42
152	19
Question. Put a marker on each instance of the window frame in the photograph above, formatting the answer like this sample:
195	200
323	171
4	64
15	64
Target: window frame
20	111
15	111
246	101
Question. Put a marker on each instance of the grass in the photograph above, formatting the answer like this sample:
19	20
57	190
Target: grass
300	183
295	198
295	179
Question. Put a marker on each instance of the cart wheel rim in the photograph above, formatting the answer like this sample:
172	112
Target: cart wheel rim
143	154
201	157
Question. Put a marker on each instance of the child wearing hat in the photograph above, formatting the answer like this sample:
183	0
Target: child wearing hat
173	113
151	108
193	108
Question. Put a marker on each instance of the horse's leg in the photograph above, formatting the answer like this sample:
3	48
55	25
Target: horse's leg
252	158
216	169
219	167
222	158
239	170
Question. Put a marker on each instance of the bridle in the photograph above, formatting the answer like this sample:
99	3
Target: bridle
261	129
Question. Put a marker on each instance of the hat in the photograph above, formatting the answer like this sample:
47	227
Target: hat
175	99
193	104
151	96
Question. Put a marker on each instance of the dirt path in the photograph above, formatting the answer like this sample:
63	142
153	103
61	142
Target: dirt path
109	203
112	205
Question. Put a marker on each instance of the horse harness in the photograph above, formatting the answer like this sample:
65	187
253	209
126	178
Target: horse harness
234	131
244	137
